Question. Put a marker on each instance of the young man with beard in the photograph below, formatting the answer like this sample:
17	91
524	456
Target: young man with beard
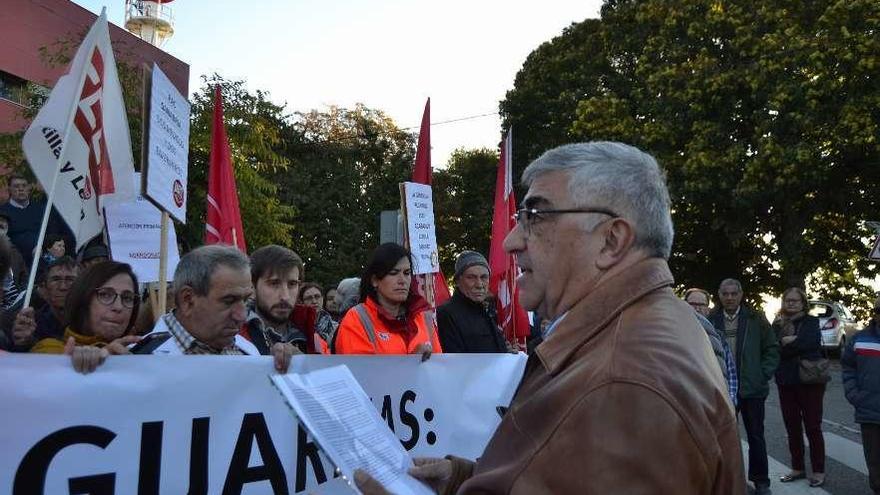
274	315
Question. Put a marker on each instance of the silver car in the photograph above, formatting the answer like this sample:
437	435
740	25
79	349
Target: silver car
836	324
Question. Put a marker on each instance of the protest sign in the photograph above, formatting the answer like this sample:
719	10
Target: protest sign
167	148
216	424
419	213
134	231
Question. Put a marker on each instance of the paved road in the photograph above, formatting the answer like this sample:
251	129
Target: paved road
845	465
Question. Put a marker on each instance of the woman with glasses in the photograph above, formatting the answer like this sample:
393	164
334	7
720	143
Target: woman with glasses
801	403
312	294
389	319
101	307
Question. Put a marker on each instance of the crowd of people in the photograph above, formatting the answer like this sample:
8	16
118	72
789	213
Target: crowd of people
621	371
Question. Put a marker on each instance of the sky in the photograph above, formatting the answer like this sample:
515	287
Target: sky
390	55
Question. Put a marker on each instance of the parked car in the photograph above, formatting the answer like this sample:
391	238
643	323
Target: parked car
836	324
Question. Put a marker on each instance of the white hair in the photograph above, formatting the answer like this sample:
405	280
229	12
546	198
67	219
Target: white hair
348	294
619	177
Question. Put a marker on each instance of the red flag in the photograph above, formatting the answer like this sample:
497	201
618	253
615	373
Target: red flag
502	282
422	175
223	225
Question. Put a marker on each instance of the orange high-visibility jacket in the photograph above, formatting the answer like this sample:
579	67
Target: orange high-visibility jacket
362	331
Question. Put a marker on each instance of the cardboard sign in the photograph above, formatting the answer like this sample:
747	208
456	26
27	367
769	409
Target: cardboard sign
167	146
419	211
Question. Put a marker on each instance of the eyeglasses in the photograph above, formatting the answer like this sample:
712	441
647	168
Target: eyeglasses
107	297
528	217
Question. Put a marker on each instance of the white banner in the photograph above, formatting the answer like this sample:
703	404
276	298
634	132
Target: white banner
216	424
134	230
97	159
168	146
420	227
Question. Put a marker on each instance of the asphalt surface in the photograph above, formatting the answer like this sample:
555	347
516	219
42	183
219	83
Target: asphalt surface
846	473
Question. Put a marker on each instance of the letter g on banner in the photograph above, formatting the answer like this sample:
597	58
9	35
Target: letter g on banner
30	478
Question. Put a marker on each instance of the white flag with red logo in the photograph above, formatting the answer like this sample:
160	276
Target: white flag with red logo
96	167
502	282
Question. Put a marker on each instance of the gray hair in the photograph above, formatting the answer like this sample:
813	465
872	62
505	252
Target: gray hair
619	177
348	294
196	267
730	281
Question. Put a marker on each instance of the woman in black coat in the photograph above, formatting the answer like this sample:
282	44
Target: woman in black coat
801	403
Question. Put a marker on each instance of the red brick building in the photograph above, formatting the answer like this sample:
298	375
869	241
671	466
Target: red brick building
26	26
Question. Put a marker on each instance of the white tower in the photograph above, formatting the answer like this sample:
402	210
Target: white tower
150	20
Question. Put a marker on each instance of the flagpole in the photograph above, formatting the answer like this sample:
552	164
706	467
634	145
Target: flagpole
163	264
50	194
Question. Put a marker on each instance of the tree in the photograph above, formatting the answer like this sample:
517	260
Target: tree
346	165
553	79
765	119
464	196
255	127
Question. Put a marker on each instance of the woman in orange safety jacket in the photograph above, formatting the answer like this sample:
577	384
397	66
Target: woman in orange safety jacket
389	319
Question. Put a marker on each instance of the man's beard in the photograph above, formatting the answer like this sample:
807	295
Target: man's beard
266	313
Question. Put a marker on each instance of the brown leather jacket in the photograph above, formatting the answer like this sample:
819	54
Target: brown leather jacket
624	397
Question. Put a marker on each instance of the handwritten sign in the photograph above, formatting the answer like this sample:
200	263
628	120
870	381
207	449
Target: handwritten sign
420	227
167	146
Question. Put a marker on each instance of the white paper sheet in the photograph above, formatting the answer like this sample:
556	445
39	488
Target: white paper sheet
340	417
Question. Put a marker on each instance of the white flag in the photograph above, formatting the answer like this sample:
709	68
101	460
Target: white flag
97	165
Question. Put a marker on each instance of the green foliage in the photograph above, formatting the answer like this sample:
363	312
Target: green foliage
346	165
553	79
463	204
255	127
765	117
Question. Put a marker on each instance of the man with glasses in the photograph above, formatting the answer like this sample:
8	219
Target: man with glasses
31	326
861	383
622	396
699	300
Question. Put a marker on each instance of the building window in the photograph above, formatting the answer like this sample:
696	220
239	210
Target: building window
22	92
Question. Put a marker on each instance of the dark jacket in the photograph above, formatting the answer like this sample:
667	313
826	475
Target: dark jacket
48	327
757	351
861	374
715	340
303	318
467	326
24	227
806	346
621	398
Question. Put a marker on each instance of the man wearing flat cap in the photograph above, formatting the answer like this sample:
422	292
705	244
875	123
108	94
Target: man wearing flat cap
467	322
